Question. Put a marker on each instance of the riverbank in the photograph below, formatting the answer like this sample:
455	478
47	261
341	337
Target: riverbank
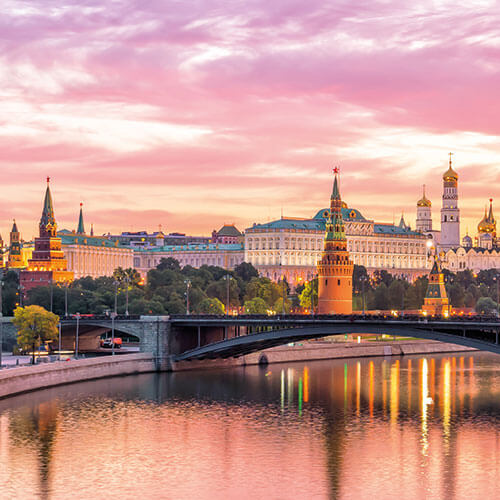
30	378
321	350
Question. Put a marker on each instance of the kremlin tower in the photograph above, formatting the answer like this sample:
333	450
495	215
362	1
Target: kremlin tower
47	264
424	216
335	268
436	300
450	214
81	227
15	260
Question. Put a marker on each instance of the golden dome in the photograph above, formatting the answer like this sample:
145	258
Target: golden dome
424	201
450	174
488	223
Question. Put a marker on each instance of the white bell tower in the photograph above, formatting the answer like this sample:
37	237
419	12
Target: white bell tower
450	214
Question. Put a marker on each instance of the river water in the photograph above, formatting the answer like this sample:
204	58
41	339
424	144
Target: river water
402	428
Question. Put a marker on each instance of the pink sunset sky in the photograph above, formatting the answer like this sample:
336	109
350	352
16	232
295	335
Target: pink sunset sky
190	114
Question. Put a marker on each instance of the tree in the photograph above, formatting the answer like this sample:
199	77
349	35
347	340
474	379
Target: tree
169	263
381	297
278	306
255	306
309	296
35	325
246	271
211	306
486	305
121	275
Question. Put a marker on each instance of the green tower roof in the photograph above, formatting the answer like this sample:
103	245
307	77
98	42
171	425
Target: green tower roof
81	227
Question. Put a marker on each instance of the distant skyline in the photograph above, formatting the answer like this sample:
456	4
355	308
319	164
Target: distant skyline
194	114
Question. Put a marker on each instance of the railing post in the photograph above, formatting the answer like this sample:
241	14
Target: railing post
496	337
199	336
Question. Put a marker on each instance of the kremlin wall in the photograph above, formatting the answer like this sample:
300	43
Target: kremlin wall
294	248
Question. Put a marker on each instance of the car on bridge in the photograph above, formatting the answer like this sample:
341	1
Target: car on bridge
108	343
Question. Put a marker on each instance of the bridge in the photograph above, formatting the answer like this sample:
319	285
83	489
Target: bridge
192	337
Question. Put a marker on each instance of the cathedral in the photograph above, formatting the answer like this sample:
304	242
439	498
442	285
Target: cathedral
482	252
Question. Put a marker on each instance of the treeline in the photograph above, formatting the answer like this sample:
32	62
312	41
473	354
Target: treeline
166	287
165	292
383	291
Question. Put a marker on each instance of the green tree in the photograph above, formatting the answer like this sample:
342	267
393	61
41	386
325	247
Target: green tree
381	297
121	275
486	305
211	306
35	325
309	296
278	306
246	271
169	263
255	306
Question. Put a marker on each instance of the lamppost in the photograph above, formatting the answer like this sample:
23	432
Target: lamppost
116	296
363	279
66	300
127	281
77	332
59	351
228	278
282	288
113	316
51	295
188	284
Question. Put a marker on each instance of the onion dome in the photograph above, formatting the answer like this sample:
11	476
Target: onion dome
467	241
450	174
424	201
487	224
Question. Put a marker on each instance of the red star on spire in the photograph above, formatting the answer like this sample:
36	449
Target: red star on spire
335	170
48	180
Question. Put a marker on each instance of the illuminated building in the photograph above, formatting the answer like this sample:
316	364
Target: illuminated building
227	234
450	213
15	260
424	216
93	256
291	247
227	256
335	267
47	264
436	300
143	239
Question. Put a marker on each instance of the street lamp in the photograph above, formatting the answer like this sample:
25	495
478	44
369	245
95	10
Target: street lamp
188	284
228	279
51	295
113	316
363	279
127	281
59	351
77	332
116	296
66	300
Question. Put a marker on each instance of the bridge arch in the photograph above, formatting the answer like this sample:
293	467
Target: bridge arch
239	346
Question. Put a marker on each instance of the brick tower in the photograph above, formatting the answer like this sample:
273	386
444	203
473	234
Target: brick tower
436	300
335	267
47	265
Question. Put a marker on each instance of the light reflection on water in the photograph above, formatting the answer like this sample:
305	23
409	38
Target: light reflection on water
419	427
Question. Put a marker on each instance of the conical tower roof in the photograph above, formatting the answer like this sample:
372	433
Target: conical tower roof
81	227
14	227
48	208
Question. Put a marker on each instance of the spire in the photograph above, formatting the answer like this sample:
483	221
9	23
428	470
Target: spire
335	191
402	223
48	225
491	219
14	227
81	227
92	229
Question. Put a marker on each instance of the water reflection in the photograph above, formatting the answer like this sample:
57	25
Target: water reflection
423	427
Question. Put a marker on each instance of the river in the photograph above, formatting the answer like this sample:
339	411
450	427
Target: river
403	428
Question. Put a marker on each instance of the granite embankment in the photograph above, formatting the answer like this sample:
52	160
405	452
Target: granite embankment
29	378
317	350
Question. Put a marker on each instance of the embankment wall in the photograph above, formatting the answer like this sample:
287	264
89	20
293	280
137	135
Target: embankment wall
29	378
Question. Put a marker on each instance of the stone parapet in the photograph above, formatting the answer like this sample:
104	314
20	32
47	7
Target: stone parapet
24	379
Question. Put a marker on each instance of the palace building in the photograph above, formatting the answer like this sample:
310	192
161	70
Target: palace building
292	247
48	264
335	267
93	256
